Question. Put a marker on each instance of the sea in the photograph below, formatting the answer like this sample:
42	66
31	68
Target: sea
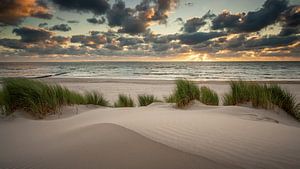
198	71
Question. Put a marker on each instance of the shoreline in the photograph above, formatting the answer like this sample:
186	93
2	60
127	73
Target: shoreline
155	81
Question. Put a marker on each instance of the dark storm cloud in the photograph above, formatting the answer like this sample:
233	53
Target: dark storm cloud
252	21
94	32
291	21
198	37
272	41
12	12
73	21
41	25
156	10
132	25
31	34
113	47
61	27
179	20
42	15
96	21
60	39
12	43
194	24
97	7
129	41
160	47
118	13
242	42
92	41
137	20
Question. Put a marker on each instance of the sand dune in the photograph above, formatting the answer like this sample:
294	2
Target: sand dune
98	146
157	136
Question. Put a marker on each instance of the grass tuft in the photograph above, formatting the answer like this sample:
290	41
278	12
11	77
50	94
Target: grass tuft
124	101
262	96
40	99
208	96
185	92
170	99
145	100
95	98
1	101
36	97
1	97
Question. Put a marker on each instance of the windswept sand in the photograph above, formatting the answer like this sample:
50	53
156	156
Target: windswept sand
156	136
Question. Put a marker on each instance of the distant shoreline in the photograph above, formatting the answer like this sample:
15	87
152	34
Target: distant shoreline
149	81
154	81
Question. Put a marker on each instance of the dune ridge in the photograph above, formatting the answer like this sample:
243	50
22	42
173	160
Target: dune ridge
228	136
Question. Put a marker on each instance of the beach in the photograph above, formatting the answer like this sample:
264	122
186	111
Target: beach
156	136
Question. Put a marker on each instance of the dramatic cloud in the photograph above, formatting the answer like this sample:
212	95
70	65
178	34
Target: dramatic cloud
118	13
92	41
61	27
60	39
12	12
134	21
272	41
198	37
156	10
30	34
96	21
194	24
252	21
42	25
12	43
126	30
98	7
73	21
291	19
129	41
133	25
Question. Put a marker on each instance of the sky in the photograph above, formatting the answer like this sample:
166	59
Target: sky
149	30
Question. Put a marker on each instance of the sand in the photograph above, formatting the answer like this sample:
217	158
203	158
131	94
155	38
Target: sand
156	136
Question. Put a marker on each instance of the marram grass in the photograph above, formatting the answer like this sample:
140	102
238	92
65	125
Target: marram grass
40	99
95	98
208	96
124	101
262	96
184	93
170	99
1	97
1	101
145	100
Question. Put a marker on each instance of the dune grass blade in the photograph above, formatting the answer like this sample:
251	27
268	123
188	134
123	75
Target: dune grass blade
145	100
228	99
1	101
95	98
170	99
263	96
36	97
208	96
1	98
240	91
124	101
185	92
260	96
